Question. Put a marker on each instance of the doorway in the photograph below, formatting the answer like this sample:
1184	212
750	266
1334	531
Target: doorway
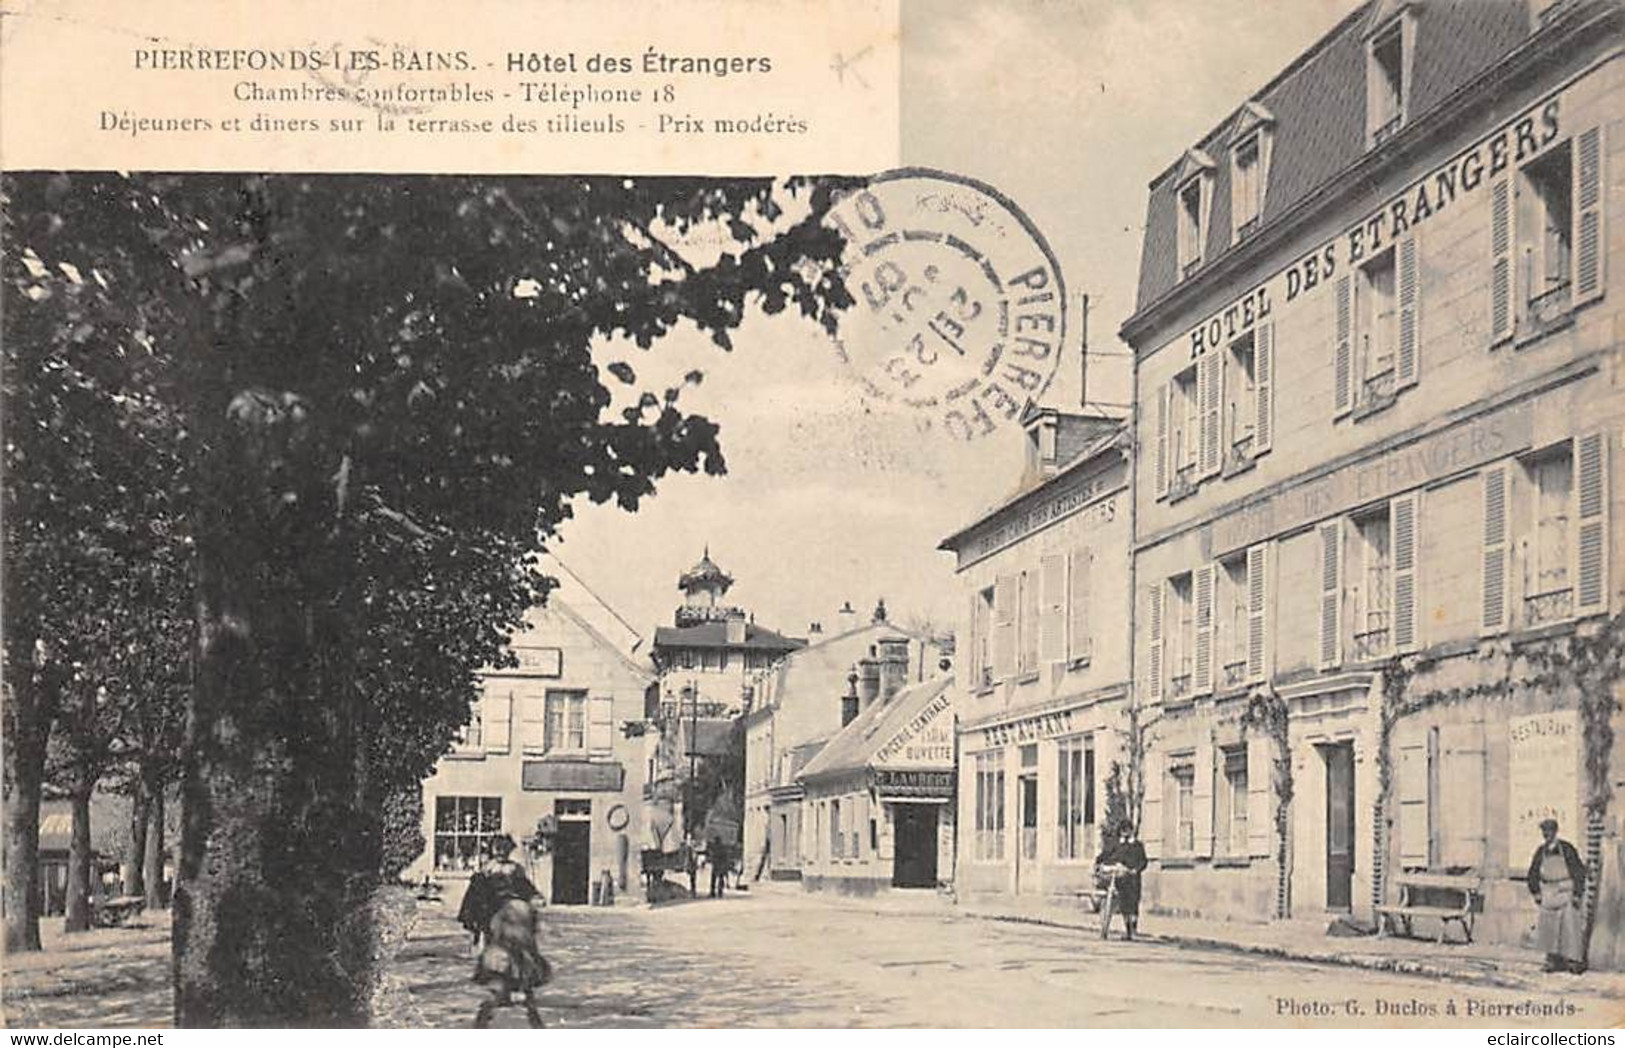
914	863
572	853
1027	847
1339	758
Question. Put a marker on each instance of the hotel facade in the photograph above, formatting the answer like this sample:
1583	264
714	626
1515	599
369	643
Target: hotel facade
1379	416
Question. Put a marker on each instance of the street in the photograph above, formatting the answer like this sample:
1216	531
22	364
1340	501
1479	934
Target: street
774	957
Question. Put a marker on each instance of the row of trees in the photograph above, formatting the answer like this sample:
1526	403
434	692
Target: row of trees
279	453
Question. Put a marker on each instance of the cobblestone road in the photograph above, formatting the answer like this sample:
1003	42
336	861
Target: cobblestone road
776	958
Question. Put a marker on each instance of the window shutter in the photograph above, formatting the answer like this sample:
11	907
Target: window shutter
1209	397
1589	243
1257	611
1260	777
1202	585
1343	353
1052	613
1161	397
973	647
1263	386
498	720
1079	642
1004	627
1591	515
1493	607
1501	282
1331	593
1403	527
533	722
601	724
1406	366
1151	806
1412	793
1154	647
1202	801
1462	790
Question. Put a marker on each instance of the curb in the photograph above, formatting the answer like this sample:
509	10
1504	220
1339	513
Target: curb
1370	962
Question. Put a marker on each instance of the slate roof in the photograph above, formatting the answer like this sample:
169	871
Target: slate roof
715	635
1319	107
852	748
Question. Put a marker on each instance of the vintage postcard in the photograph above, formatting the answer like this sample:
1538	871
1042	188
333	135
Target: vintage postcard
1017	513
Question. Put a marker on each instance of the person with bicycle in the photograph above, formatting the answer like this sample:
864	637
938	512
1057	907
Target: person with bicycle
1119	865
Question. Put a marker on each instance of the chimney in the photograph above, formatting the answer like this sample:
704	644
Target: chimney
733	631
868	679
880	610
893	666
846	618
815	627
849	701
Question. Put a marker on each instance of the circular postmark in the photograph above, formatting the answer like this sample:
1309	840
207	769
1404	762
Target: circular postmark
960	308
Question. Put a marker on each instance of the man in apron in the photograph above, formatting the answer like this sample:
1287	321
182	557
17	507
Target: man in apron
1557	879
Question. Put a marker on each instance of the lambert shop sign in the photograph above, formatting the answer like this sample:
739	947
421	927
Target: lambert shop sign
914	783
1465	174
1431	458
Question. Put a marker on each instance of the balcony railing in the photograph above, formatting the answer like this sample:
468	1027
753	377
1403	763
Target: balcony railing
1235	673
1386	131
1550	305
1372	644
1179	686
1553	606
1192	266
1247	228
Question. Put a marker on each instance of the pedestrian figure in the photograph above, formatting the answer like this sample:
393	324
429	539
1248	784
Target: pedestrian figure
1557	880
1124	857
512	960
692	863
719	855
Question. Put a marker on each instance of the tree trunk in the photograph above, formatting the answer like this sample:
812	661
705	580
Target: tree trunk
278	862
153	853
79	872
140	806
25	772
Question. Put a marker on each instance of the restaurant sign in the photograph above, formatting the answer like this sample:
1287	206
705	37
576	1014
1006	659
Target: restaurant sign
1543	781
1030	729
914	782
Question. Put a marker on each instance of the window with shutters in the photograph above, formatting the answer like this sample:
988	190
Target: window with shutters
1193	207
1545	242
989	772
1246	185
837	831
471	737
1231	619
981	652
1027	625
1179	636
1387	81
1376	334
1544	533
1371	572
566	721
1230	830
1184	432
1241	402
1181	791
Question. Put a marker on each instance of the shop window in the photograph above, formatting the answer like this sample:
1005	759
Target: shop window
1075	789
463	829
1387	82
1181	787
1231	832
566	721
1181	636
989	770
1545	225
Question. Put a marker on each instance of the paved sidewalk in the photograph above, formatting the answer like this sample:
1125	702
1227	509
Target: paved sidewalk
1473	963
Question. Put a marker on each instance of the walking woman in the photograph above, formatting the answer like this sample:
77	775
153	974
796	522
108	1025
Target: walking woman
512	960
1124	856
1557	880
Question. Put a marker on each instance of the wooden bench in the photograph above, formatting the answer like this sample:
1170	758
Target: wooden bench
116	911
1444	897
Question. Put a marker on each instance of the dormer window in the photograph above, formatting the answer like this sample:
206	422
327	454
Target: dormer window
1249	168
1388	78
1192	203
1041	445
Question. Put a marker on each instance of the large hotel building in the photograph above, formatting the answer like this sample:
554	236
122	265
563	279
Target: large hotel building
1378	432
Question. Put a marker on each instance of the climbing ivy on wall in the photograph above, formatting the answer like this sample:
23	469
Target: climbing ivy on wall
1267	712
